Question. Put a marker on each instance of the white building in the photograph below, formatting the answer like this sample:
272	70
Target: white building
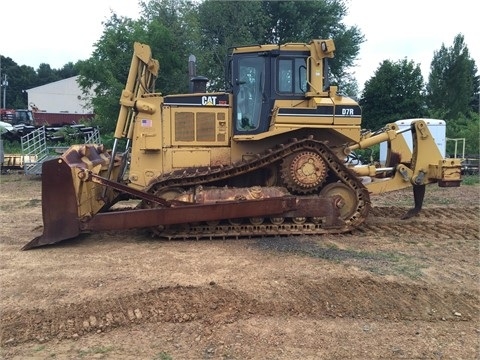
63	96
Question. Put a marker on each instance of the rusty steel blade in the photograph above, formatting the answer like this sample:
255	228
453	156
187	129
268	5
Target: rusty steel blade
290	206
59	205
140	218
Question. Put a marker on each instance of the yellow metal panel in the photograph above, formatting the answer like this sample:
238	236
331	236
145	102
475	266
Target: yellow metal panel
322	101
145	165
305	120
147	131
348	121
190	158
352	133
149	142
166	126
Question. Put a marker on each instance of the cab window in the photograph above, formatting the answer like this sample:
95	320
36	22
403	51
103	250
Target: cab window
249	92
292	75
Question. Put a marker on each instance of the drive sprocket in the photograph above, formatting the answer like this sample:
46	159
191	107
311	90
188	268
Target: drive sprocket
303	172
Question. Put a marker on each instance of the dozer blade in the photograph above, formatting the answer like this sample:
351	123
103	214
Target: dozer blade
59	205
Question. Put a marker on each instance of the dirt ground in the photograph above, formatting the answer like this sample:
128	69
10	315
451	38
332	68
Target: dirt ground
393	289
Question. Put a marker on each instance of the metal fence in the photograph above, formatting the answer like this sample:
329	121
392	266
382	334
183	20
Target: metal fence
35	150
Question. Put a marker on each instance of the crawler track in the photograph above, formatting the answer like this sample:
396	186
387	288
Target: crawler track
218	176
381	221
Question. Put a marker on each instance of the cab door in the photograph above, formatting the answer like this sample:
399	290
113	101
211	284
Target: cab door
249	94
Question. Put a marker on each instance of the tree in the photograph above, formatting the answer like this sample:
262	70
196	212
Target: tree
302	21
46	75
20	78
235	23
106	71
467	128
453	83
276	22
172	32
68	70
396	91
453	93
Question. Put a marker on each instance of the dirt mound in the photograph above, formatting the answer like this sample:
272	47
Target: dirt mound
372	300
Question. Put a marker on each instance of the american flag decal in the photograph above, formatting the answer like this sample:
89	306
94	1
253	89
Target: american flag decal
146	123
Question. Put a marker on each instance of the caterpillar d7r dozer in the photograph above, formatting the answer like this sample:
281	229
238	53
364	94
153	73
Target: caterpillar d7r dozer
268	156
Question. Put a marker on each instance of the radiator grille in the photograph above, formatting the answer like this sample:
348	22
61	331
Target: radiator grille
205	126
199	127
184	125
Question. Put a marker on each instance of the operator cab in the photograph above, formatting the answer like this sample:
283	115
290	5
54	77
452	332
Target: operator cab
258	79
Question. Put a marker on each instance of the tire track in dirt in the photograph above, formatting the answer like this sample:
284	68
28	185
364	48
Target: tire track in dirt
453	213
458	223
364	298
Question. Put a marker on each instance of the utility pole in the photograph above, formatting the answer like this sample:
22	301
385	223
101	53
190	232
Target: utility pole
5	84
0	77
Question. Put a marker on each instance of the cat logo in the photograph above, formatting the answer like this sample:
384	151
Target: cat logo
209	100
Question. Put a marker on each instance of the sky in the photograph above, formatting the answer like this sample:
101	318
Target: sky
411	29
58	32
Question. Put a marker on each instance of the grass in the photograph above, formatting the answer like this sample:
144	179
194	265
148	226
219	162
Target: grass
162	356
15	205
12	147
10	178
39	348
7	207
33	203
95	350
470	179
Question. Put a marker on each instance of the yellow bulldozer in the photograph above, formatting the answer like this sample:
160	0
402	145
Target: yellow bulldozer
267	156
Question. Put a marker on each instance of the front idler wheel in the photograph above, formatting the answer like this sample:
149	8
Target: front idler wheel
346	199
